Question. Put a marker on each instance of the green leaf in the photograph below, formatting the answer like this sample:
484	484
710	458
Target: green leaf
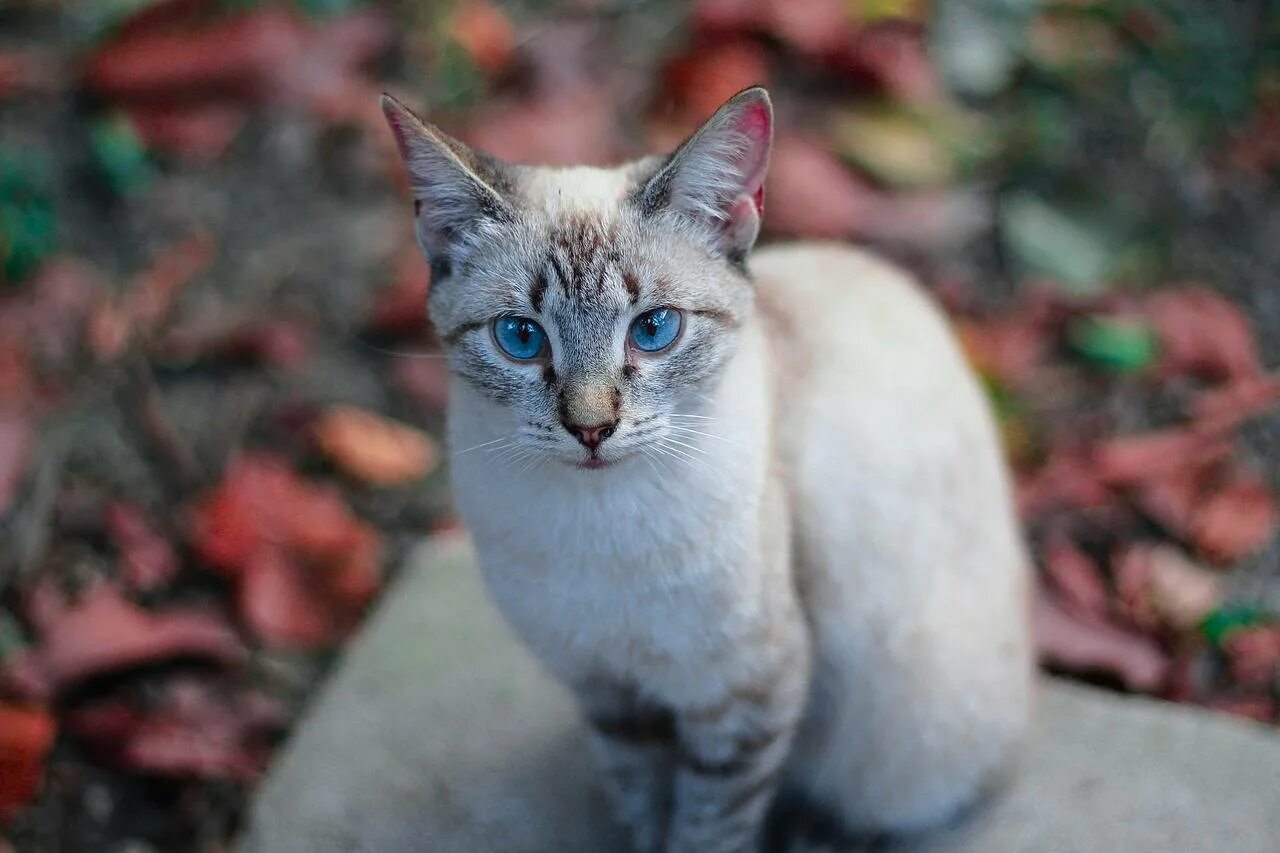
28	224
1119	344
1082	245
1221	622
119	155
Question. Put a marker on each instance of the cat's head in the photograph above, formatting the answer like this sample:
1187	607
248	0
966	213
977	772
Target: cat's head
594	307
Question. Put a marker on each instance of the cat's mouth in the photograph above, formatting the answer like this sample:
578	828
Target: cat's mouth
593	462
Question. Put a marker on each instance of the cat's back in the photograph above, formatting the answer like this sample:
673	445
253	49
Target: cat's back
842	321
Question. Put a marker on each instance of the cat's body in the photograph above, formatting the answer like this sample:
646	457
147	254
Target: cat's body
796	564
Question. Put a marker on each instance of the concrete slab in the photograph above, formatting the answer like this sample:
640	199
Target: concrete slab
438	732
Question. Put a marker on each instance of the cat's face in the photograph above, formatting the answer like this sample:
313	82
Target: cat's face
594	307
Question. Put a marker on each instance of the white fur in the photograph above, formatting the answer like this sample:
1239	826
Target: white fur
846	414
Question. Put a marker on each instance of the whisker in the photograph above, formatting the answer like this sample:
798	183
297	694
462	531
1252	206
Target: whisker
397	353
483	444
707	434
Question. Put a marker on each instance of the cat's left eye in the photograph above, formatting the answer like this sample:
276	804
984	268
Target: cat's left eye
654	331
519	337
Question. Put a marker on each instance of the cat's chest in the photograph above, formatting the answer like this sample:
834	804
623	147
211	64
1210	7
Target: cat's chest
621	578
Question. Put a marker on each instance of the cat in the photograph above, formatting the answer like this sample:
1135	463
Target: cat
750	510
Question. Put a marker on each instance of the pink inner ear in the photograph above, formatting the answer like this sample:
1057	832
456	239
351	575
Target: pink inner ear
756	123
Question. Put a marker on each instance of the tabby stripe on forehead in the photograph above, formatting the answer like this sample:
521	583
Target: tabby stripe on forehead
633	286
554	260
538	290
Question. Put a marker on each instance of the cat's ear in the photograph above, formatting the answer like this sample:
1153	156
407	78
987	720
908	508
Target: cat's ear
717	176
456	190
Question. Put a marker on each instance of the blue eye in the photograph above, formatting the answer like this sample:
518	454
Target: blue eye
655	330
519	337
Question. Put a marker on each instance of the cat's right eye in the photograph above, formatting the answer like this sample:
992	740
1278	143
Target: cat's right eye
519	337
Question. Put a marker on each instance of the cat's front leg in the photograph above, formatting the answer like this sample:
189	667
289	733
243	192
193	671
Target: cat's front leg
635	747
729	756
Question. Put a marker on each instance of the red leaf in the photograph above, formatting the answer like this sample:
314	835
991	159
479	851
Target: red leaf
811	194
1068	479
112	326
1236	520
203	130
1131	459
1204	334
1223	409
147	559
485	33
1083	645
1254	655
191	729
104	633
1260	708
263	521
16	442
26	736
892	55
1076	577
279	603
698	82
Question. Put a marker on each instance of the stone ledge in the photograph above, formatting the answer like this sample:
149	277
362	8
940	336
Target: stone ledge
439	733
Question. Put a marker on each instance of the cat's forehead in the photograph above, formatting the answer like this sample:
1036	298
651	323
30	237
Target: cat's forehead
577	193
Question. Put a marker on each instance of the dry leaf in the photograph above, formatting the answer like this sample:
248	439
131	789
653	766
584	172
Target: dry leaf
1235	521
1082	645
1202	333
26	736
374	449
104	633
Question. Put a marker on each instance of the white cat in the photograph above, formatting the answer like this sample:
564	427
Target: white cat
752	512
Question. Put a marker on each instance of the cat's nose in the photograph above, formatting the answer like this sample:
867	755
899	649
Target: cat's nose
591	437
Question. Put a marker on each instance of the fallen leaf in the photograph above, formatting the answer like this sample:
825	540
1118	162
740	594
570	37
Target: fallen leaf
1133	458
1260	708
278	603
112	326
1253	654
696	83
1161	587
374	449
1202	333
485	33
1234	521
147	560
1067	479
191	729
26	737
1116	343
103	633
1081	645
16	442
262	519
892	54
810	193
894	146
1224	408
1075	576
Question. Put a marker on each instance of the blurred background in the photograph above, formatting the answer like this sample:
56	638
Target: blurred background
220	405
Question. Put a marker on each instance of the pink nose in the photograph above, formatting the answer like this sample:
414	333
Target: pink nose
591	437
